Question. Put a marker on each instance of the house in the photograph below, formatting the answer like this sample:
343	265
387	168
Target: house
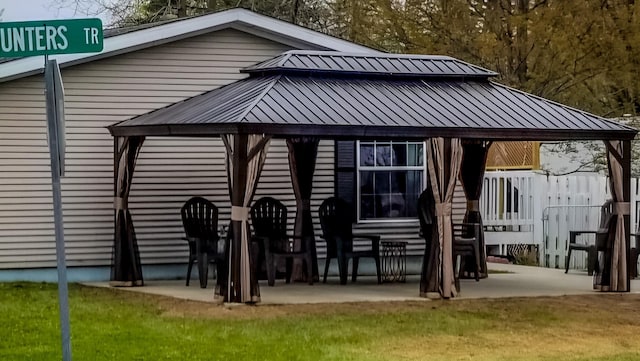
140	70
149	68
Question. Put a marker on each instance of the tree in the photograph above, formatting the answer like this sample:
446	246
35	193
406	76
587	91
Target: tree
135	12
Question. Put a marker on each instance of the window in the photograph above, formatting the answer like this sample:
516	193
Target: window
390	179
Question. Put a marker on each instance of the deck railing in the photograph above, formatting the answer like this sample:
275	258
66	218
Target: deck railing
546	208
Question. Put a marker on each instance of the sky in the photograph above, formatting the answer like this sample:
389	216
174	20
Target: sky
27	10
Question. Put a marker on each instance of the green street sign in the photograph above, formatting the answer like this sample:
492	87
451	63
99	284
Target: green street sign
29	38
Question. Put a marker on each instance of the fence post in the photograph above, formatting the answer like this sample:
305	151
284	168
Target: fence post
539	192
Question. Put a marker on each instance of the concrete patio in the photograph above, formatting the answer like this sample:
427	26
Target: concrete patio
506	281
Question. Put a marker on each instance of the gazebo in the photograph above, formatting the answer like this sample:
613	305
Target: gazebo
304	96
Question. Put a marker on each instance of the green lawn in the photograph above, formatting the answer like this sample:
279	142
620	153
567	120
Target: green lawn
109	324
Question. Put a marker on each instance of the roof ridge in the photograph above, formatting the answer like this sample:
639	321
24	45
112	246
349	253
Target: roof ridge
383	64
259	97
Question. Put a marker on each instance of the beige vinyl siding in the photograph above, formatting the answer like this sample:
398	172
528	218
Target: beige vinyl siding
169	170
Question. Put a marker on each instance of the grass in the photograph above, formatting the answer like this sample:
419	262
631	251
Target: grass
108	324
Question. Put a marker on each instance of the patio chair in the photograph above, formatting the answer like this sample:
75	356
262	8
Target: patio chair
466	244
269	221
200	221
634	254
592	249
336	222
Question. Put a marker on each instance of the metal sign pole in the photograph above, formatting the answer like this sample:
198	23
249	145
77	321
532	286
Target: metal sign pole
56	171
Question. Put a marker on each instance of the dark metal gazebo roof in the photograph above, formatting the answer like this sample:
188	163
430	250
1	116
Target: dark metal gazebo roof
337	95
330	62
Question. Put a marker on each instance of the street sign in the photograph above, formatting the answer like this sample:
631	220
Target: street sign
29	38
54	89
54	95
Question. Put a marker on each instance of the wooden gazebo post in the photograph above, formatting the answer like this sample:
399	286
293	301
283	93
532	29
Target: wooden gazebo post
614	274
626	184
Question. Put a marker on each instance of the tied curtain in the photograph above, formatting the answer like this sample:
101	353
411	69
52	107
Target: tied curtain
444	156
613	274
303	152
245	157
474	160
125	269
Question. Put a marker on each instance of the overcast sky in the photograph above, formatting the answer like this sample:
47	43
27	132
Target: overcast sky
19	10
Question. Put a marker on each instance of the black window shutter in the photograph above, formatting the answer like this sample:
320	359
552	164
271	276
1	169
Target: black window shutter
345	175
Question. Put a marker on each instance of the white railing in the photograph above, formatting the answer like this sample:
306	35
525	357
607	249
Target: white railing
525	207
507	200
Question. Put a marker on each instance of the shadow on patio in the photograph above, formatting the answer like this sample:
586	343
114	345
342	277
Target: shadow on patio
506	281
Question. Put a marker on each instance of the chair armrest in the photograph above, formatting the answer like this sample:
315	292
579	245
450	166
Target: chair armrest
583	232
263	240
573	234
460	226
307	240
372	237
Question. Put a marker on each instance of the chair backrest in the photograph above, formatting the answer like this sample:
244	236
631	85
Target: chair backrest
606	217
465	230
425	212
336	221
606	213
200	219
269	218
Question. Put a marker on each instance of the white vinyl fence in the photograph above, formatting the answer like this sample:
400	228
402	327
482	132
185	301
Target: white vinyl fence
525	208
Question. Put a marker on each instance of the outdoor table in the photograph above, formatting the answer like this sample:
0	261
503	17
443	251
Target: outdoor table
393	259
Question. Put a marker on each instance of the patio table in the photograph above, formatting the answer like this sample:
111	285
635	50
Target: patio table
393	259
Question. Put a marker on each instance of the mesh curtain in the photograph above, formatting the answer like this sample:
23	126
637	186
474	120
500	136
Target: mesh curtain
126	269
444	156
303	152
245	159
474	160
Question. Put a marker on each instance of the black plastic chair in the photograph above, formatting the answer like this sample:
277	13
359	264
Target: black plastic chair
602	234
200	221
466	245
466	240
336	221
634	256
269	221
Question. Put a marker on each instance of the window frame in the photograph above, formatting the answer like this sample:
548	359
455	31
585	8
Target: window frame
359	168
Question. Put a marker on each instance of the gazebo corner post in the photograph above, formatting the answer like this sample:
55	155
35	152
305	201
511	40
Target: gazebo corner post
302	155
245	158
429	276
239	181
614	274
472	169
626	191
444	156
126	269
